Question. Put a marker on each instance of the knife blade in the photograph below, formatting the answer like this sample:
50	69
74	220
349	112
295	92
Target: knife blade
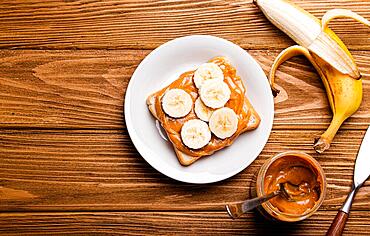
361	174
362	166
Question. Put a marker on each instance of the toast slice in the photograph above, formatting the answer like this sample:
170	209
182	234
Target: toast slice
247	116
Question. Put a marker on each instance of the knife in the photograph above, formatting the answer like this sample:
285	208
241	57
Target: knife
361	174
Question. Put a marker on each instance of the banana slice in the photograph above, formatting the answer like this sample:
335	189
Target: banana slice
195	134
215	94
207	71
223	122
202	111
177	103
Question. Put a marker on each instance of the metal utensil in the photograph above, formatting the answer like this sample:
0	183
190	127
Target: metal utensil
237	209
361	174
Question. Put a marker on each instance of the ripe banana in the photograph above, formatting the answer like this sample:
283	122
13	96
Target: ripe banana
223	122
214	94
195	134
202	111
177	103
207	71
326	52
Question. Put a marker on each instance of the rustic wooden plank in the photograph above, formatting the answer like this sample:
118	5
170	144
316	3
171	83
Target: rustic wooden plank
93	24
85	89
78	170
160	223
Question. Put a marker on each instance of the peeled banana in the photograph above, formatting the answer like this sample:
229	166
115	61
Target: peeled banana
195	134
208	71
202	111
177	103
215	94
223	122
326	52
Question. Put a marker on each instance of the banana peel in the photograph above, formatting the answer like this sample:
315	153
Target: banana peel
327	53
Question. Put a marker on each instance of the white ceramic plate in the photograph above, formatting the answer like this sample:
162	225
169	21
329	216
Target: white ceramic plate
164	65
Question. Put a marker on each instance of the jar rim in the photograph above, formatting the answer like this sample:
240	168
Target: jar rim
267	206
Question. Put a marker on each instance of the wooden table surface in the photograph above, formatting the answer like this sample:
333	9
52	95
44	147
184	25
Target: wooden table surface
67	164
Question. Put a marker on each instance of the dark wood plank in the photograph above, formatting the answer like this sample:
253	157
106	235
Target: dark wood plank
100	170
85	89
170	223
93	24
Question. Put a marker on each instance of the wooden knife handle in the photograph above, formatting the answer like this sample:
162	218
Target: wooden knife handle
338	224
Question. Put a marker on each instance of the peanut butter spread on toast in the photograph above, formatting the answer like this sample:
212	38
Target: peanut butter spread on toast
238	102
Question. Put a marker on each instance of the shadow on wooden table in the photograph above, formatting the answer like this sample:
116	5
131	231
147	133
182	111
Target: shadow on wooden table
268	227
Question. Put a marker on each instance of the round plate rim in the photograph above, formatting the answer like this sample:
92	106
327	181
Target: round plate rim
143	151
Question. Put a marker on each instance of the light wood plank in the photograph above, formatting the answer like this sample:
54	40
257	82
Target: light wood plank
85	89
160	223
101	170
110	24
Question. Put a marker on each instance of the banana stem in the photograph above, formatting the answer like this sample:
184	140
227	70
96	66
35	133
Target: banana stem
323	143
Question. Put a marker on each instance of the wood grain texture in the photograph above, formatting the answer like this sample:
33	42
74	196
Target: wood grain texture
111	24
163	223
85	89
67	165
51	170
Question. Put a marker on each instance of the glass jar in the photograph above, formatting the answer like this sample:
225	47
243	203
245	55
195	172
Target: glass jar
273	213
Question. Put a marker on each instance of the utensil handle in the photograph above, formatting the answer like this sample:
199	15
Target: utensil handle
238	209
338	224
340	219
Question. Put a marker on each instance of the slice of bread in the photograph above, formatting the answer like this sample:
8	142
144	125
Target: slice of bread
248	117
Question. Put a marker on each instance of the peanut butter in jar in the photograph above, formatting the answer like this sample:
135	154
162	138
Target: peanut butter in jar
303	180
